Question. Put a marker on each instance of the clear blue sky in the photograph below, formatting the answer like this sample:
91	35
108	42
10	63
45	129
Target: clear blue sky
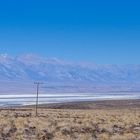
100	31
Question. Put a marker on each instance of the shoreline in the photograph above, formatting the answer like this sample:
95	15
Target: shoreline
86	105
122	104
46	99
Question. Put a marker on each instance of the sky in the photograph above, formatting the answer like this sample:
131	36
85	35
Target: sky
99	31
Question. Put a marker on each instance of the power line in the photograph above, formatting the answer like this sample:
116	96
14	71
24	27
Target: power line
37	93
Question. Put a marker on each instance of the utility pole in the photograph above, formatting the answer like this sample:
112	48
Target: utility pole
37	92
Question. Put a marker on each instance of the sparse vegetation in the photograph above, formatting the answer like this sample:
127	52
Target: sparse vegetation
70	124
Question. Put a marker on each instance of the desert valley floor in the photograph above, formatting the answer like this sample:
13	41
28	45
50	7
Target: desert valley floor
100	120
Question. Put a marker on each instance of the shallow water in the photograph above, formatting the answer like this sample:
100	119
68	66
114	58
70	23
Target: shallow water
28	99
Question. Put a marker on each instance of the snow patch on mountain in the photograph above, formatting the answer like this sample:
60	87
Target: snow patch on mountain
68	76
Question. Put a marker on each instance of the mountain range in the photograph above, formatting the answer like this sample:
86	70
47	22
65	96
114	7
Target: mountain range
17	74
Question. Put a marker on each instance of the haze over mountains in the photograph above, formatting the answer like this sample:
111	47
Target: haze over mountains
17	74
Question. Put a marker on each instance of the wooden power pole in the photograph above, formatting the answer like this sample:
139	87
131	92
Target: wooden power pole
37	92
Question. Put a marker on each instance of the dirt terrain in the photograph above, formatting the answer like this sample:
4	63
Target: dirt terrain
100	120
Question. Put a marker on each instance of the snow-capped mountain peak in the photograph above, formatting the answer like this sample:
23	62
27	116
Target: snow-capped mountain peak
94	77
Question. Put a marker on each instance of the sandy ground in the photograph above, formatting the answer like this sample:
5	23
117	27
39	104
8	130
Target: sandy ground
100	120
